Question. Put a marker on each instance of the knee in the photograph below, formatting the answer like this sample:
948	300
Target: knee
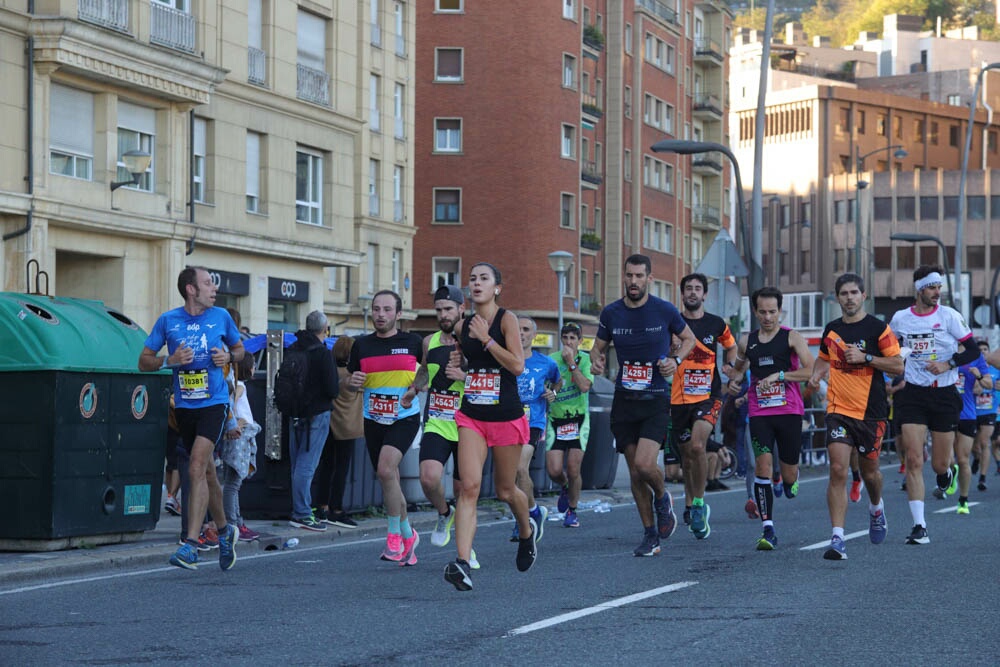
470	489
428	479
385	473
506	493
838	470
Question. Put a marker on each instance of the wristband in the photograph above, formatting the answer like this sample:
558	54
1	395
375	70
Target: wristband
488	343
572	368
781	376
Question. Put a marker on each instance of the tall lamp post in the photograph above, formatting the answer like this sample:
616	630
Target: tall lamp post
560	261
365	301
918	238
959	231
859	185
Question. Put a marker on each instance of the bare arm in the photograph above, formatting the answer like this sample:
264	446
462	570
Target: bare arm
597	356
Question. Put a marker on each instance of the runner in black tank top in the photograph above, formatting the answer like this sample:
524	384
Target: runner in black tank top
490	389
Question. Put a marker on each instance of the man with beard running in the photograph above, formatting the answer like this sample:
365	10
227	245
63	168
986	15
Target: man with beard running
856	349
936	341
640	326
696	397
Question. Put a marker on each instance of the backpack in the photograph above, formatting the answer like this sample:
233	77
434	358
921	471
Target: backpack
290	395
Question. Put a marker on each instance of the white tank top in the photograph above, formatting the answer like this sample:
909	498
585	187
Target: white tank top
933	336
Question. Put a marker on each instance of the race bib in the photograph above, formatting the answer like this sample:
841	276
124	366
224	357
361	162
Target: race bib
697	381
984	401
570	431
383	408
482	387
771	397
443	404
922	346
637	375
527	412
193	384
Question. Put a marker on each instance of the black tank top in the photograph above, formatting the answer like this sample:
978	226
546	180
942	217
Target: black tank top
490	389
770	357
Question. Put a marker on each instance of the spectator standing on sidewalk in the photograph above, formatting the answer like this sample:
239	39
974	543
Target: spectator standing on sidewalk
346	426
307	431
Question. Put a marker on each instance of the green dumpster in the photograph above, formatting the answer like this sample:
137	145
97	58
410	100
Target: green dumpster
84	431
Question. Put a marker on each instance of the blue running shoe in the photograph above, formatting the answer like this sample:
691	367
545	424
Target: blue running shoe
227	547
540	514
768	541
776	486
837	550
563	503
877	527
186	556
666	520
570	520
699	521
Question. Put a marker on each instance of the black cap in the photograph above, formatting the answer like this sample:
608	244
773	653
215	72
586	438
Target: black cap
449	292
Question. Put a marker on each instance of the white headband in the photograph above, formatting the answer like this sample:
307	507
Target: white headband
928	280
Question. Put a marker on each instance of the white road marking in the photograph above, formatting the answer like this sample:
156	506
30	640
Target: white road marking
952	508
611	604
826	543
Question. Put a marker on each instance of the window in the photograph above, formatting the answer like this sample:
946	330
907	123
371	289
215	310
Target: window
374	111
840	208
628	38
447	135
308	187
136	131
991	140
657	235
627	165
843	120
628	101
449	5
253	173
668	119
399	15
447	205
568	145
918	131
905	256
955	100
567	207
374	191
372	257
569	9
659	53
805	212
882	208
898	122
256	65
598	219
448	65
657	175
445	271
398	183
584	216
880	125
399	111
627	228
975	207
906	209
312	41
861	122
929	208
932	135
953	135
71	132
198	162
397	270
569	71
376	21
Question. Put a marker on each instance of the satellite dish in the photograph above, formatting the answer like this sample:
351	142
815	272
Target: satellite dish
723	298
982	315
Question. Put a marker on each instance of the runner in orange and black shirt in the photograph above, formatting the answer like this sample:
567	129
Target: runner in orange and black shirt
856	350
696	397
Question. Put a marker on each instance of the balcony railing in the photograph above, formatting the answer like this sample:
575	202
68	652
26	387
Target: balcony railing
106	13
707	103
590	240
589	304
257	65
658	9
705	216
707	163
705	47
591	105
171	27
590	172
313	85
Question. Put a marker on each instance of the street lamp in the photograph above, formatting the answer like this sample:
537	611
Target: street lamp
959	238
859	185
683	147
365	301
560	261
918	238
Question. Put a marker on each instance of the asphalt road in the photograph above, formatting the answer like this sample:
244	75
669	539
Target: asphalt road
586	601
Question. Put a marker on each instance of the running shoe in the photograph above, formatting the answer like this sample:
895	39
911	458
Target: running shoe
938	493
570	520
837	550
172	505
776	486
442	529
982	484
699	521
877	526
856	490
393	548
456	573
963	508
953	487
309	523
514	533
563	503
540	515
186	556
473	561
768	541
918	536
687	516
247	534
902	468
341	519
650	546
321	515
974	466
526	550
227	547
409	556
666	520
792	490
208	540
751	509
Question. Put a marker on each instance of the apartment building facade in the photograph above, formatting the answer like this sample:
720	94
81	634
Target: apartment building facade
273	131
534	136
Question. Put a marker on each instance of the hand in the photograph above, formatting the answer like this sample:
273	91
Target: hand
814	383
733	374
667	366
853	355
455	360
734	387
479	328
597	361
182	356
234	433
454	373
568	355
549	395
938	367
406	400
220	357
357	380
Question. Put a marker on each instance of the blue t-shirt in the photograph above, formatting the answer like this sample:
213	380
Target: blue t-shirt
538	369
641	337
200	383
987	402
966	385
